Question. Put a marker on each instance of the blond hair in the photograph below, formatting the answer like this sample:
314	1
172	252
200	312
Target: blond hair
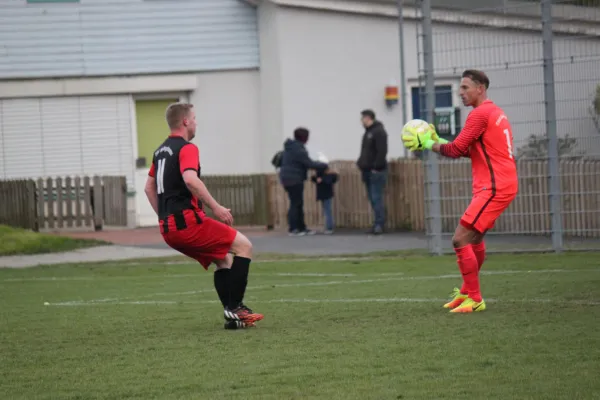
176	113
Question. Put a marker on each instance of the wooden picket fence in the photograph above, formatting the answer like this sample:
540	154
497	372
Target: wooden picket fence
246	195
260	200
530	211
405	198
64	202
18	204
351	209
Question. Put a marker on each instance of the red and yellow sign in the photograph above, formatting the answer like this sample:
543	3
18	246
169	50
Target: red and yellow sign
391	95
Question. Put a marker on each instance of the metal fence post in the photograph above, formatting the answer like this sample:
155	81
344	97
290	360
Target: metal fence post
550	112
433	203
403	95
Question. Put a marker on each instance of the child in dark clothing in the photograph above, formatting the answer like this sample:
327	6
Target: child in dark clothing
325	181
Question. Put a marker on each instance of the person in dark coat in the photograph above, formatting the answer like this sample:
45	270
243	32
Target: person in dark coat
373	166
325	181
295	163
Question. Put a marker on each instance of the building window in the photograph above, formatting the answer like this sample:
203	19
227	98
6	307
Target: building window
443	98
446	115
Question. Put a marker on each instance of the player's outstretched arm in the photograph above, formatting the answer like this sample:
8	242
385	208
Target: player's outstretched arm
475	125
151	193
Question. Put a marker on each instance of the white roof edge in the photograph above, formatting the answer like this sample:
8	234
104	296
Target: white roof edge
445	16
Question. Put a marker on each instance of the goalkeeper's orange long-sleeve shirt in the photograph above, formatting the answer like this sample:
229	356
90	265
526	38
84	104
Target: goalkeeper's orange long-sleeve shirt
487	139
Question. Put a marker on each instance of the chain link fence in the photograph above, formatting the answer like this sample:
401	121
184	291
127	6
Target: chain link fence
543	63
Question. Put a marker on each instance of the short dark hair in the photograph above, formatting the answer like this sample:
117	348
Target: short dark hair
477	76
176	113
368	113
301	134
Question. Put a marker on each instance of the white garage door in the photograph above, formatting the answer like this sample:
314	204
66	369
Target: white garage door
66	136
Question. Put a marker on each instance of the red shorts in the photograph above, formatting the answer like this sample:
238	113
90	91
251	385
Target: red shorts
484	210
204	239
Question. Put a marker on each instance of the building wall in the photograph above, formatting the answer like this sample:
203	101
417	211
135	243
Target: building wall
66	136
513	61
339	65
227	112
271	94
58	116
49	128
334	65
102	38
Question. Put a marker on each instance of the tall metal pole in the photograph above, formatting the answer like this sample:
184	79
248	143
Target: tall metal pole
431	162
403	94
550	110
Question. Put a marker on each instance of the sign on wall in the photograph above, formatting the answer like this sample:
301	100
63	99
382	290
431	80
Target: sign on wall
447	121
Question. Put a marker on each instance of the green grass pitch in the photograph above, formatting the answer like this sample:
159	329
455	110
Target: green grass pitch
352	329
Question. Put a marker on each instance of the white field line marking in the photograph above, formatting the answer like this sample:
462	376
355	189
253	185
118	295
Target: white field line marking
299	274
177	276
328	283
95	278
270	261
288	260
333	274
312	274
174	276
322	301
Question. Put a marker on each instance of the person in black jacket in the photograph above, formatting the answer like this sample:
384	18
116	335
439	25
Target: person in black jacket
372	163
293	172
325	181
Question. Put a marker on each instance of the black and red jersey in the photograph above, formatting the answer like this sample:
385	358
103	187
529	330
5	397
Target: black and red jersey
172	158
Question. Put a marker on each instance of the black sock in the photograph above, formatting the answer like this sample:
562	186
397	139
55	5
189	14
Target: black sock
222	285
239	280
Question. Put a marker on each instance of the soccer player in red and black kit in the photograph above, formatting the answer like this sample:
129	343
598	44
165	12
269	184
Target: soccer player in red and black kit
176	194
488	140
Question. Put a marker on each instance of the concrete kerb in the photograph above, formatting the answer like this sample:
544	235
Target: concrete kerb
88	255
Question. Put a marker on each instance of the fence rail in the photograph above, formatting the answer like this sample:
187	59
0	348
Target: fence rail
405	198
548	84
64	202
260	200
246	195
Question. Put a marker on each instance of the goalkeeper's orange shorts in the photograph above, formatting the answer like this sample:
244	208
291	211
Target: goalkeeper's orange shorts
484	210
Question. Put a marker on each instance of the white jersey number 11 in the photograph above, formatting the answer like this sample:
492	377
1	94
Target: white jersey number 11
160	173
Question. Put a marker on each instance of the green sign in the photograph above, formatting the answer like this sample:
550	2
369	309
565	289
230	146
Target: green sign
445	121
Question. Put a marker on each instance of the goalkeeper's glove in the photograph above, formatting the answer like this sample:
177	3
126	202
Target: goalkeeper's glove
423	140
435	137
416	141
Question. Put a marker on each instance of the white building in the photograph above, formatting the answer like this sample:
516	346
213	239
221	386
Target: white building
84	84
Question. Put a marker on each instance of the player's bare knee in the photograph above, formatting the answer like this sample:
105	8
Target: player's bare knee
477	238
457	242
462	236
225	263
457	239
220	265
246	248
242	247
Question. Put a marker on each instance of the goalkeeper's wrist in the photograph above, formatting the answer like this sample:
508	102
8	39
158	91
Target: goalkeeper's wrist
429	144
442	141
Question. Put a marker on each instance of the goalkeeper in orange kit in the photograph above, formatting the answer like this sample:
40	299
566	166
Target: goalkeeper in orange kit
487	139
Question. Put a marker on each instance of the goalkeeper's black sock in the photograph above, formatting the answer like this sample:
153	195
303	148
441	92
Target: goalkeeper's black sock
222	285
239	280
